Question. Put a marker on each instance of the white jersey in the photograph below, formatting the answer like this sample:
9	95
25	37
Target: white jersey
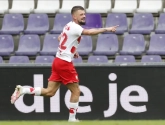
70	39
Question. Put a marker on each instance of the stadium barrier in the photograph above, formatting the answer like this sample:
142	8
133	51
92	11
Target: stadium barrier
117	92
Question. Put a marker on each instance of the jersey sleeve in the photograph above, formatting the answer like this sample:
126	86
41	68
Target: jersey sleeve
78	30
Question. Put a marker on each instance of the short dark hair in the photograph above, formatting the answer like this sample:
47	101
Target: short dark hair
75	8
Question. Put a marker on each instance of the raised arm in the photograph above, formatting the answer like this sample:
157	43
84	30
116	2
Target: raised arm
99	30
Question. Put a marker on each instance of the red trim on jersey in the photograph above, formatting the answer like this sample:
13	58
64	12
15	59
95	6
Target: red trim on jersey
79	39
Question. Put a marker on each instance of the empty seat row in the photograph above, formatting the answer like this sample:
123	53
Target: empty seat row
25	59
125	6
39	23
91	59
145	58
30	45
53	6
133	44
130	6
121	59
107	44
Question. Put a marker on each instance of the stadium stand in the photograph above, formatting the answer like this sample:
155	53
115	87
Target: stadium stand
31	28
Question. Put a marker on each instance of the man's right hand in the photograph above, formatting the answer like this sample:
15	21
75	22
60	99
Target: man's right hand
112	29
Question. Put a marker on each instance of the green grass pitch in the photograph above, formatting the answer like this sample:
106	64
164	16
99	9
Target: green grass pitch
116	122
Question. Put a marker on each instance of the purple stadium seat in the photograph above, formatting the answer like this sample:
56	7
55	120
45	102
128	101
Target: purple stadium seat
143	23
12	24
120	19
60	21
133	44
6	45
97	59
77	60
19	59
28	45
85	46
1	59
161	24
107	44
151	58
93	20
125	58
44	59
50	45
157	45
37	24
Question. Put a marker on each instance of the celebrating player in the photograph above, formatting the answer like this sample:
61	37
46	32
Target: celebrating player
63	71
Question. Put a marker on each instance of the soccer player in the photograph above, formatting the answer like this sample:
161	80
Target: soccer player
63	71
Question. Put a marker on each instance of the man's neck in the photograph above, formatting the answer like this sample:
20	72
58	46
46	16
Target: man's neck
76	22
